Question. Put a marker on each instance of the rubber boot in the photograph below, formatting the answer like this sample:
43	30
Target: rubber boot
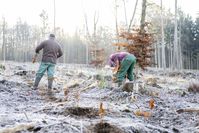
49	91
50	84
119	83
37	80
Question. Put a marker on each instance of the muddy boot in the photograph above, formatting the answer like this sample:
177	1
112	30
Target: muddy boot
50	84
49	91
37	80
119	83
50	95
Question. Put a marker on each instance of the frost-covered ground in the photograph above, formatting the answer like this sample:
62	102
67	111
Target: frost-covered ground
79	90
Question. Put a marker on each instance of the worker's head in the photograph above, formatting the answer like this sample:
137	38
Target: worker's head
111	61
52	36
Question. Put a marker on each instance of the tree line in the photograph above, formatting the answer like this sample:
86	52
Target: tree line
187	36
17	43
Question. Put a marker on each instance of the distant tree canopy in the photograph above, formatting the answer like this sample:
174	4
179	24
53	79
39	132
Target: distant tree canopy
188	36
18	42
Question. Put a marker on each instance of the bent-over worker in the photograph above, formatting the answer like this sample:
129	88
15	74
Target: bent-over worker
125	63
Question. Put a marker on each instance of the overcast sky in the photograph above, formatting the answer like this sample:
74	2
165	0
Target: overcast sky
69	13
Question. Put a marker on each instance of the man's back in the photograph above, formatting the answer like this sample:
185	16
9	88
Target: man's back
51	50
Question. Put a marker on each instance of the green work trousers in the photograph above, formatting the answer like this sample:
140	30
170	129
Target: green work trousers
126	68
49	67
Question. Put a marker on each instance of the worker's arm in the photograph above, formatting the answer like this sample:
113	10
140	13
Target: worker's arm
60	53
34	58
117	66
38	48
115	70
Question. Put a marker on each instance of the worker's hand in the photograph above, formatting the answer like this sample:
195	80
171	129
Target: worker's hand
115	69
33	60
114	79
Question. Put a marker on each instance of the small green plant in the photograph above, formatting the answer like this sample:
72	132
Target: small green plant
101	83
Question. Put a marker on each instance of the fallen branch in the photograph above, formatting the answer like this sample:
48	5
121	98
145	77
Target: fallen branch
142	113
69	74
26	116
90	86
17	128
73	84
188	110
54	105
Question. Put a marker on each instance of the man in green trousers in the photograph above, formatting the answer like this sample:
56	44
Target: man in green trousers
51	51
125	63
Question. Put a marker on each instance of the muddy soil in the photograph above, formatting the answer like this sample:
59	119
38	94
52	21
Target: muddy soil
79	90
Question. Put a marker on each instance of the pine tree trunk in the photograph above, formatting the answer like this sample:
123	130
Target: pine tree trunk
4	45
156	55
180	49
159	51
163	43
175	51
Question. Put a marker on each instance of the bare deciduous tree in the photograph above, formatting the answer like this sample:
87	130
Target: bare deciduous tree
44	19
132	18
143	15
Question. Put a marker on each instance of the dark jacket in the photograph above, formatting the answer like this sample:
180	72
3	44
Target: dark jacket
51	50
